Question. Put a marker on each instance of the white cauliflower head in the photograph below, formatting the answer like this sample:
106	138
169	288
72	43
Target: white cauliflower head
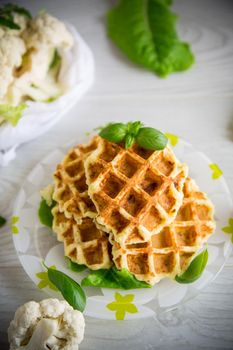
12	48
50	324
45	29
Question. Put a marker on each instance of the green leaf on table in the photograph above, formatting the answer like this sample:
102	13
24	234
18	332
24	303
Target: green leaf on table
113	278
45	213
70	289
146	33
12	114
152	139
195	269
2	221
74	266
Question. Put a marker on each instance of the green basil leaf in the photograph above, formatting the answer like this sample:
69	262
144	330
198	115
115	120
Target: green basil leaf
70	289
152	139
129	141
45	213
56	61
114	132
113	278
2	221
134	127
74	266
146	33
195	269
8	23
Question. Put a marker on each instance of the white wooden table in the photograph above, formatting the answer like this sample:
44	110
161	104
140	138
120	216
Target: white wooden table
197	105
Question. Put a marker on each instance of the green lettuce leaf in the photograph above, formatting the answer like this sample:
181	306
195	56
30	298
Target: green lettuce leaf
146	33
74	266
12	114
45	213
113	278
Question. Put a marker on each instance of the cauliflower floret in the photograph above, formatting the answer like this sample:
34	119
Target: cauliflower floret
50	324
34	79
45	29
25	61
26	317
47	194
12	49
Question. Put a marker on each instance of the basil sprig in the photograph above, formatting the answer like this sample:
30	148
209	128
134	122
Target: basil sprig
195	269
148	138
6	15
70	289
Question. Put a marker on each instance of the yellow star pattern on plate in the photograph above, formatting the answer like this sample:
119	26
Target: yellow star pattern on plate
229	229
217	172
14	228
45	282
122	304
174	139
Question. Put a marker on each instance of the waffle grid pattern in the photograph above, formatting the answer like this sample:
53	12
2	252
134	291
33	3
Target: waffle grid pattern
134	188
135	208
169	252
73	223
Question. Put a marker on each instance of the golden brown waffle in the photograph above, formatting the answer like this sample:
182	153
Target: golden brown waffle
134	189
84	243
70	189
73	215
169	252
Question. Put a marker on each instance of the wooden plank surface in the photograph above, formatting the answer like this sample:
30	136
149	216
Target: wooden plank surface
197	105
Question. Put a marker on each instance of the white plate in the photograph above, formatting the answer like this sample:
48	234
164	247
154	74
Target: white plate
35	243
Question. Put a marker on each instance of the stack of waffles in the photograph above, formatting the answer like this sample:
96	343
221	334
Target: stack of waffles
134	208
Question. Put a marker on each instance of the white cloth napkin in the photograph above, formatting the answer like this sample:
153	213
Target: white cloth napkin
78	73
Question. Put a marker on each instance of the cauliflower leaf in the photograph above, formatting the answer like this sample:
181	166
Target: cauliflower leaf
6	15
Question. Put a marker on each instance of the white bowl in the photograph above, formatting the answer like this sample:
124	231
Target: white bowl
39	117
